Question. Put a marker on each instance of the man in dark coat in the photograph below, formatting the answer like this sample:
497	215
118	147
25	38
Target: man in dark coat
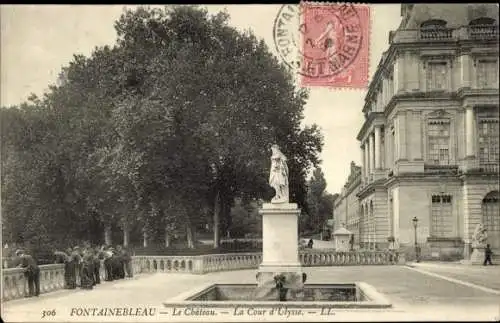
32	272
87	271
97	265
118	263
487	255
108	263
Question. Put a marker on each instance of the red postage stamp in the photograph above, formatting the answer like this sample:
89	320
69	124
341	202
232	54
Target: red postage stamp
335	41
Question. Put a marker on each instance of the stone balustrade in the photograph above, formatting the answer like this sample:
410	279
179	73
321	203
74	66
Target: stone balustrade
352	258
213	263
15	284
478	32
167	264
52	276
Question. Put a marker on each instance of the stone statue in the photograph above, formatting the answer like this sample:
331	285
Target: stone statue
479	237
278	177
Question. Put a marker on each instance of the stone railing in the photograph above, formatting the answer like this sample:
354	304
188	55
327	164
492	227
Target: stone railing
436	33
479	32
16	286
52	276
222	262
352	258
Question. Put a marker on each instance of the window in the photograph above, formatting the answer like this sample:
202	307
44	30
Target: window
393	142
487	73
438	133
382	148
437	76
488	132
442	216
390	94
391	216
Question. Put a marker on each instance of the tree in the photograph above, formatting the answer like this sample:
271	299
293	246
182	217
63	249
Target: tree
320	202
173	120
238	101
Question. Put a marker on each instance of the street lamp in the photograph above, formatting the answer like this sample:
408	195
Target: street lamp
417	251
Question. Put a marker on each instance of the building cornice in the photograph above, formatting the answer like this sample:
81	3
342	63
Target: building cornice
418	96
372	117
419	178
371	188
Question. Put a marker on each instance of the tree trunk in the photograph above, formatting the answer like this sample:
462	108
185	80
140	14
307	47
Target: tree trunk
145	238
216	221
126	237
107	234
167	237
189	236
126	234
225	211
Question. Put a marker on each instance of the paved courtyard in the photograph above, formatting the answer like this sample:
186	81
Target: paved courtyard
416	294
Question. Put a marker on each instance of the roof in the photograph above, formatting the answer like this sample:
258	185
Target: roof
342	231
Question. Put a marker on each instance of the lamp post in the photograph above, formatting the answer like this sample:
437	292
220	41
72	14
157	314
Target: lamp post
417	251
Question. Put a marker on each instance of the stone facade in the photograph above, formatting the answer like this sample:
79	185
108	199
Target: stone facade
430	142
346	205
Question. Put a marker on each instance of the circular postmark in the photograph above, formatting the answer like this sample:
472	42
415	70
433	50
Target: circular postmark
318	41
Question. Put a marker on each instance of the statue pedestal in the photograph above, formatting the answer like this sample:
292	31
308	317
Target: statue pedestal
280	251
477	257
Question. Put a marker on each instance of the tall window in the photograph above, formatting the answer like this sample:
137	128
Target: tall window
487	73
442	216
391	216
382	149
488	132
393	143
391	86
438	133
437	76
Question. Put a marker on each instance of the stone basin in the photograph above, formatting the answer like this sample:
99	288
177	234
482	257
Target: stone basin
318	298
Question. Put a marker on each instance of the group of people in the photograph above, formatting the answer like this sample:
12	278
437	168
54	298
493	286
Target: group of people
82	266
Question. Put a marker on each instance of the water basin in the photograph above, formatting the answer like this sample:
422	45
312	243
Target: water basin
315	296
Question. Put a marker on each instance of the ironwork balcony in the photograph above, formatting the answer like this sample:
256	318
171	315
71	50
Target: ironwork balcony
478	167
474	32
435	33
440	169
483	32
487	168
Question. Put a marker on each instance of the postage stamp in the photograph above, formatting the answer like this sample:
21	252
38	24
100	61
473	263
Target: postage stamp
330	46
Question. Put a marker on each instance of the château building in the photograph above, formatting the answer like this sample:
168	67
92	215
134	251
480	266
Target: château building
430	139
346	206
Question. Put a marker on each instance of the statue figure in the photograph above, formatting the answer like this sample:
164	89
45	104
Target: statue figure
479	236
278	178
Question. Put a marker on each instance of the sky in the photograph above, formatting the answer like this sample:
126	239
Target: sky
37	40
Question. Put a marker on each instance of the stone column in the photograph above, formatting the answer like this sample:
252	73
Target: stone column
377	147
469	131
363	164
372	152
367	158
